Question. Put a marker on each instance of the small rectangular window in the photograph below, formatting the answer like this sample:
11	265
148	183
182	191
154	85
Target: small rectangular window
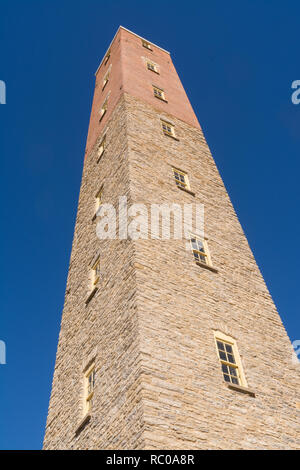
230	361
89	387
103	109
147	45
99	199
151	66
159	93
229	367
96	272
105	79
200	250
101	148
107	58
181	179
168	128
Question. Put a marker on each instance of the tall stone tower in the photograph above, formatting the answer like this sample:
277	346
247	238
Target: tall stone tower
164	347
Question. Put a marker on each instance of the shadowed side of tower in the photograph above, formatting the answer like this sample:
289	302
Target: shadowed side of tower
163	347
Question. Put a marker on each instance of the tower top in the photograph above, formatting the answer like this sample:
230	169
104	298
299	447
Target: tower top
125	29
136	67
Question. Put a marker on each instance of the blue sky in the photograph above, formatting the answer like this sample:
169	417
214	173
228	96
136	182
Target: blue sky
237	61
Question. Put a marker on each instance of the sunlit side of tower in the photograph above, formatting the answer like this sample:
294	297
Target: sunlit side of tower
162	347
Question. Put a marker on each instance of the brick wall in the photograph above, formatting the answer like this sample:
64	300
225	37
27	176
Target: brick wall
130	75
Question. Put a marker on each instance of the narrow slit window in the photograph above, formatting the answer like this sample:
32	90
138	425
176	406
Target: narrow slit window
200	250
96	272
107	58
89	388
159	93
101	148
181	179
103	109
147	45
168	129
98	199
106	79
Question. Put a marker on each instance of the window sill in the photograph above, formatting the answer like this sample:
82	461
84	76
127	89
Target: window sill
207	266
187	190
172	136
99	158
161	99
154	71
91	295
101	117
82	424
241	389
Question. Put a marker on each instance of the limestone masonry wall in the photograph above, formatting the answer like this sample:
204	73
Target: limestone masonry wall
186	401
149	327
106	328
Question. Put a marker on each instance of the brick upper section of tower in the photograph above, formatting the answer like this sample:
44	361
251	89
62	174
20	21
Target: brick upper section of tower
128	73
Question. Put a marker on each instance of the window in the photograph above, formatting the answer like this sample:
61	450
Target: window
101	147
94	275
147	45
103	109
105	80
151	66
89	387
168	129
159	93
230	361
200	250
99	198
107	58
229	368
96	271
181	179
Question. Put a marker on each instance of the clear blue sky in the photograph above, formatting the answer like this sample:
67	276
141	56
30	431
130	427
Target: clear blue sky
237	61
